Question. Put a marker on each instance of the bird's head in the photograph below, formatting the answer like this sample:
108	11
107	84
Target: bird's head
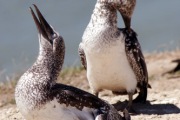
49	39
126	8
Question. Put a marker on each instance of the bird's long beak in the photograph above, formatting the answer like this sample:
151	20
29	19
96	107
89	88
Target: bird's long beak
42	25
127	21
126	10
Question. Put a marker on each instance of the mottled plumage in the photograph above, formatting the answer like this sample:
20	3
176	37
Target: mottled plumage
137	62
112	56
39	97
135	56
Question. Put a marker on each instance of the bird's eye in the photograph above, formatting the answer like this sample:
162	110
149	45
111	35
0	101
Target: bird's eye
54	35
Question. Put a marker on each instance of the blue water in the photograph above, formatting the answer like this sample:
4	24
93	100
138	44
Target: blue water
157	23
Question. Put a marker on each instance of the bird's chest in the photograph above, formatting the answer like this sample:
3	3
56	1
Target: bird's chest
29	93
99	37
107	65
102	48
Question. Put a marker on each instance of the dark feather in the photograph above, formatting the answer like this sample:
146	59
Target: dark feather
75	97
135	57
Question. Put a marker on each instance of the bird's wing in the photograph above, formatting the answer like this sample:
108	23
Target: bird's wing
135	57
82	55
71	96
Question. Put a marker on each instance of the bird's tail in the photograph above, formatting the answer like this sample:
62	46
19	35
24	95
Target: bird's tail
141	98
112	114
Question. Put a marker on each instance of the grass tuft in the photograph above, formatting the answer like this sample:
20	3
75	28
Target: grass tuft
70	71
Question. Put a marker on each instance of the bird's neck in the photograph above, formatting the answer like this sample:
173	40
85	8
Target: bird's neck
45	56
44	62
103	14
50	63
59	54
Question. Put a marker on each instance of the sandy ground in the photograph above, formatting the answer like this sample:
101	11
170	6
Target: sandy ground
163	99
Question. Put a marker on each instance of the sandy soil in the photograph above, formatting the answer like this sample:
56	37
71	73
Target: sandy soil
163	99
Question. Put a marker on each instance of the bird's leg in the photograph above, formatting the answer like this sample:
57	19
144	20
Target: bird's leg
130	95
126	115
129	106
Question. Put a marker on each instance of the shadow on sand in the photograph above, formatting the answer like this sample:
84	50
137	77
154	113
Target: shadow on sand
148	108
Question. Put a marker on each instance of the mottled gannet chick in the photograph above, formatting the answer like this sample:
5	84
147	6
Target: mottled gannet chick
39	97
112	56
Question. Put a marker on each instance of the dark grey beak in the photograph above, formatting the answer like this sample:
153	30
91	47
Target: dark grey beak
127	21
126	11
42	25
126	18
